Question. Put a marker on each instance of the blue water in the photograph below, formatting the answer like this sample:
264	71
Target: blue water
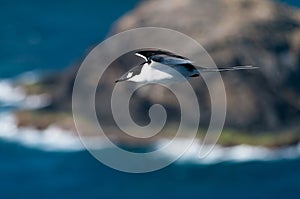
51	35
295	3
37	174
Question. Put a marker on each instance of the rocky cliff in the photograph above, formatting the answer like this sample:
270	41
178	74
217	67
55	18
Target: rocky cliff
263	33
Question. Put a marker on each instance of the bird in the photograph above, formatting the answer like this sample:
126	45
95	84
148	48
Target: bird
164	67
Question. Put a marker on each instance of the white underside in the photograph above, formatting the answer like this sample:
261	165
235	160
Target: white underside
162	74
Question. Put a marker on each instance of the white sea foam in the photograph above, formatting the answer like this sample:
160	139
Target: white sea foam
11	95
56	139
235	153
52	139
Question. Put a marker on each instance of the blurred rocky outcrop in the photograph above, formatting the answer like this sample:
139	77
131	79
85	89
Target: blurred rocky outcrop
234	32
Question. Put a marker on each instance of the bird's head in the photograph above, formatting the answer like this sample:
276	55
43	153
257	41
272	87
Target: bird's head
132	74
125	77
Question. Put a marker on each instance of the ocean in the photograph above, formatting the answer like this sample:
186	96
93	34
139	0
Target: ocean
51	163
32	173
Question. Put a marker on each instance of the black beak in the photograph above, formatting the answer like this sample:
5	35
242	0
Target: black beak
121	79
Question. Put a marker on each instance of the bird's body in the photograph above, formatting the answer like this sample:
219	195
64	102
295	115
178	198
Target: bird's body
166	68
156	72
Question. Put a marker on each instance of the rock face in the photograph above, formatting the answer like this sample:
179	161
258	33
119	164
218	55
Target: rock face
234	32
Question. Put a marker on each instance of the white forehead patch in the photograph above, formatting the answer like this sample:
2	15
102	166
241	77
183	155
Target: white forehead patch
129	75
142	56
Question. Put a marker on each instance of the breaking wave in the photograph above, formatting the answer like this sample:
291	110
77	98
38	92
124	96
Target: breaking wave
12	95
237	153
52	138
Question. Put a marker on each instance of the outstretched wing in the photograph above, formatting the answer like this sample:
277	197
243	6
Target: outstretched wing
169	60
163	57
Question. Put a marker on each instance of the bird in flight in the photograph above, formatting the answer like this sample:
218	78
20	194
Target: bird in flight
164	67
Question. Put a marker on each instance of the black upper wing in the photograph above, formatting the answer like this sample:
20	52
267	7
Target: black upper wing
162	56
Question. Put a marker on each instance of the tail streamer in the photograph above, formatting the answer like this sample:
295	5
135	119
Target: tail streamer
202	69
